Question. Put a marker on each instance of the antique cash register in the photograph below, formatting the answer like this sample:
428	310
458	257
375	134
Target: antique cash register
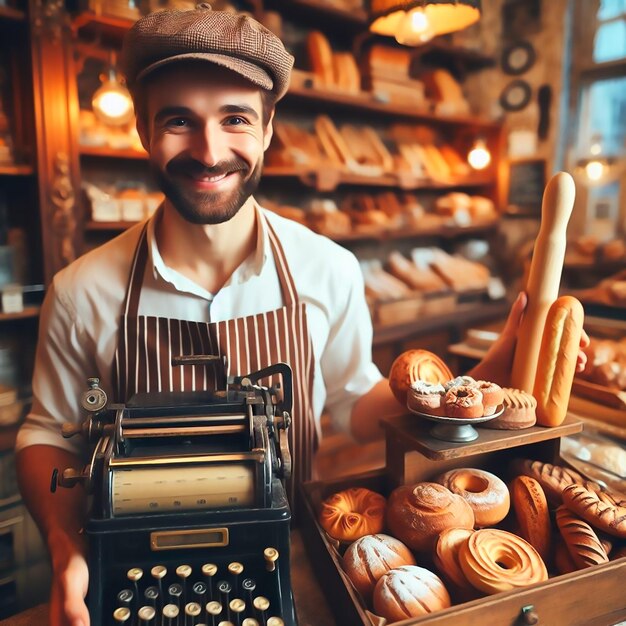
189	520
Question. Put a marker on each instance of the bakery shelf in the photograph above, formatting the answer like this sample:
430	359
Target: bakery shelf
28	312
460	316
9	13
93	225
16	170
109	26
325	14
111	153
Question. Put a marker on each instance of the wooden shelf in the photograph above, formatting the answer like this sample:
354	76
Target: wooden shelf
462	315
92	225
28	312
326	14
111	153
16	170
109	26
9	13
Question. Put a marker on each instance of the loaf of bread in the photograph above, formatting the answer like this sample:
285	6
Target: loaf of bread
369	557
557	360
416	514
531	510
603	510
320	57
581	541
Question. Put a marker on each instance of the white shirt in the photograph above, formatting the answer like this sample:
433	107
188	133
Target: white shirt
81	311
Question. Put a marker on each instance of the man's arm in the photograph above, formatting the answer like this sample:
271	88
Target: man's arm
60	518
367	411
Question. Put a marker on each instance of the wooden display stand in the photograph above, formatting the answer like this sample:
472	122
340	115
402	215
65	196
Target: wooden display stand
593	596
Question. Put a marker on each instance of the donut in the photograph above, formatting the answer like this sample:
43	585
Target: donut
463	402
369	557
446	558
459	381
416	514
353	513
483	491
496	560
415	365
493	396
409	591
426	397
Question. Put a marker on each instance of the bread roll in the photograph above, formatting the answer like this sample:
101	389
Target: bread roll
582	542
416	514
409	591
531	510
557	360
415	365
369	557
321	57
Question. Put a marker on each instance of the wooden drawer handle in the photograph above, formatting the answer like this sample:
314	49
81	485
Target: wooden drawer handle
529	616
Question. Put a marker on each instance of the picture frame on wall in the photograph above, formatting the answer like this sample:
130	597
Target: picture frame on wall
527	179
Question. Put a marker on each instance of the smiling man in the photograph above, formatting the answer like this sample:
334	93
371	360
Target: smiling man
210	272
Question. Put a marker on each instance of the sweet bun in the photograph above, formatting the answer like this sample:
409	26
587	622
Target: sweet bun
353	513
415	365
416	514
463	402
409	591
483	491
369	557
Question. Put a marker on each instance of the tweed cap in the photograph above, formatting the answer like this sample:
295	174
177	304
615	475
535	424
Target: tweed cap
234	41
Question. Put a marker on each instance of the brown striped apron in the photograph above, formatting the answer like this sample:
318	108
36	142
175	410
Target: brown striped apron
146	345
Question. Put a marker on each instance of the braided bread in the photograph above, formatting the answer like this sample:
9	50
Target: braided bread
601	509
582	543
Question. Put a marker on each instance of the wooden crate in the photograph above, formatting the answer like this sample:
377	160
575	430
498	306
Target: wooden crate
589	597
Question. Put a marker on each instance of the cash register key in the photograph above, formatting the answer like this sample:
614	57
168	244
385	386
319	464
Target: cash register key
159	572
261	604
235	569
224	588
237	607
151	594
248	585
271	556
125	597
199	592
249	621
208	571
146	616
170	613
134	574
193	609
121	615
175	591
213	608
275	621
225	623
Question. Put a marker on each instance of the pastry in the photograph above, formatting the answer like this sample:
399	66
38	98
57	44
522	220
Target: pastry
463	402
409	591
416	514
415	365
518	413
426	398
369	557
495	560
581	541
603	510
353	513
493	396
557	360
531	510
459	381
483	491
446	558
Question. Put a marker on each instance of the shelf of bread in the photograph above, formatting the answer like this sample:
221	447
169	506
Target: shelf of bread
343	12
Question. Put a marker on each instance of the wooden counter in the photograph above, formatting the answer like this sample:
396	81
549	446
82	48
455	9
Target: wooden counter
311	605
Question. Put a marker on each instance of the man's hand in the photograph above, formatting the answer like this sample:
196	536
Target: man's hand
70	580
497	364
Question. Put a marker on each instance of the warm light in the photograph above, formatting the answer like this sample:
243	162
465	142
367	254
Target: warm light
479	156
594	170
112	103
596	148
415	29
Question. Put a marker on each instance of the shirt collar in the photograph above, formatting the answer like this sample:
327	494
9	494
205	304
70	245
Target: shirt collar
252	266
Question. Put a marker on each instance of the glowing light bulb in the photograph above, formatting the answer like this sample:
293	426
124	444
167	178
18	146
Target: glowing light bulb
594	170
112	103
415	29
479	156
595	149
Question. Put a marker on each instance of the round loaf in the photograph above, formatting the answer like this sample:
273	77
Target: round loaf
416	514
415	365
353	513
519	411
531	510
409	591
483	491
369	557
581	541
602	510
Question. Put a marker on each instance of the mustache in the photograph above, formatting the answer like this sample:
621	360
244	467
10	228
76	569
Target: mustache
189	166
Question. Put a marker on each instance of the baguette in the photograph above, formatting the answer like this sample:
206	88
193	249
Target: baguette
321	57
601	509
582	542
531	511
557	360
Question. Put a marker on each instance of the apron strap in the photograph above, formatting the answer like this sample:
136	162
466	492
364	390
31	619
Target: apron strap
135	280
287	284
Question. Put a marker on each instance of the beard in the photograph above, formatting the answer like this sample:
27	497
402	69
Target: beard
205	207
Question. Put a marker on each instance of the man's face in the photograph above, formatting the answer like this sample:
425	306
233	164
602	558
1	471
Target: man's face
204	133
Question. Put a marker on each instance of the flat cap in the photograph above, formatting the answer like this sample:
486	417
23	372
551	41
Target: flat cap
234	41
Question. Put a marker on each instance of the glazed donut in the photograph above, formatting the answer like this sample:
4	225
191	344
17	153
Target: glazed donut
369	557
353	513
409	591
426	398
493	396
446	557
415	365
463	402
459	381
496	560
483	491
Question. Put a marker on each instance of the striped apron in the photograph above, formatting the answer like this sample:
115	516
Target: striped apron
146	345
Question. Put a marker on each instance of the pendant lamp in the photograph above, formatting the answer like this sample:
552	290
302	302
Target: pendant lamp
413	22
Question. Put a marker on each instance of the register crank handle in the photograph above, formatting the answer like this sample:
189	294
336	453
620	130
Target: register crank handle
69	478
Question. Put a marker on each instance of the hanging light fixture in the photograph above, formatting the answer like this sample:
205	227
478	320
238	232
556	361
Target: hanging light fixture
596	166
413	22
479	156
112	103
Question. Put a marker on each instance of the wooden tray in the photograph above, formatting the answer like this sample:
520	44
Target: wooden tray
599	393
